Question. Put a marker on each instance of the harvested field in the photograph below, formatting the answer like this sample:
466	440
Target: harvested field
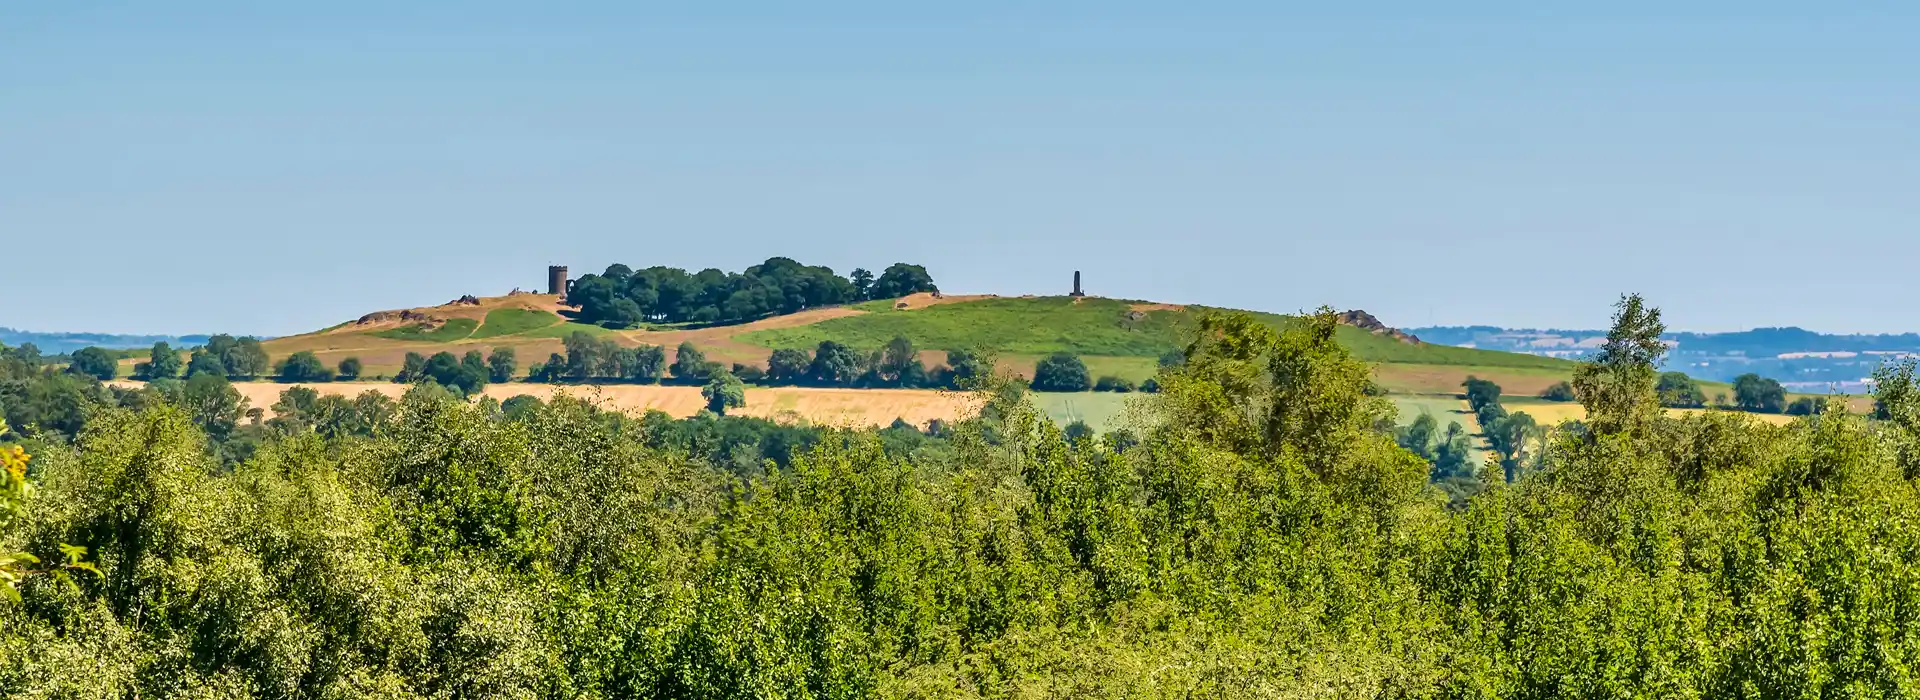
1553	412
836	407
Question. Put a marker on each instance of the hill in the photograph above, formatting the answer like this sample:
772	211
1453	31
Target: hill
1114	336
1801	359
63	343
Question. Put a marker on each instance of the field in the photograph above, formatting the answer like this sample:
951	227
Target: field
837	407
1113	336
1553	412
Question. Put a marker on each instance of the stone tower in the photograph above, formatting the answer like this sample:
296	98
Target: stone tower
557	280
1076	285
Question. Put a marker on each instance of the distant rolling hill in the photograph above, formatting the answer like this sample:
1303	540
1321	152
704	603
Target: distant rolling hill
1114	336
63	343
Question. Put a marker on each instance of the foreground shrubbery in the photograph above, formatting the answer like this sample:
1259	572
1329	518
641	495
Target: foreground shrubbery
1260	534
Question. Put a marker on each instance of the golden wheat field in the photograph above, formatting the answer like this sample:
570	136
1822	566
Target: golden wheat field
851	408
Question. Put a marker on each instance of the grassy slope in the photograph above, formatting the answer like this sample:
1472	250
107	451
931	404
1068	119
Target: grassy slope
1113	336
1100	330
504	322
454	329
1099	327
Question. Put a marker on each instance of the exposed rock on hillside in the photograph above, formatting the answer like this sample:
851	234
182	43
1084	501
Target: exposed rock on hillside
1366	322
397	316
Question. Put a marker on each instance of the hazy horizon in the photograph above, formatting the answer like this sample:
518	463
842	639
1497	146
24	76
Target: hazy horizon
204	167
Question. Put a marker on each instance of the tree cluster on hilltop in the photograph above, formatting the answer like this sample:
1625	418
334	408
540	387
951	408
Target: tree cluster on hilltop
621	296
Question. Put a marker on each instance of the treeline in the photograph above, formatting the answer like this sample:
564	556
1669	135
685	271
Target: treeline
1751	392
896	365
1257	535
621	296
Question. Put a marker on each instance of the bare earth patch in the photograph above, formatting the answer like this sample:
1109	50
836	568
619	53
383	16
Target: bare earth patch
1144	307
926	299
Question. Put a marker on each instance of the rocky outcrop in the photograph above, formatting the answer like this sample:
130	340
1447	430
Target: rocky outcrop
1366	322
398	317
465	300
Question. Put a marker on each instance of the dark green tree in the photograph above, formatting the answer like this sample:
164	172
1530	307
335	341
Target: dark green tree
213	404
350	368
1752	392
203	361
93	362
501	365
1061	372
1617	385
834	365
788	366
724	391
583	359
1677	390
895	358
901	279
245	358
1480	393
964	369
1559	391
689	364
862	283
163	362
521	408
1806	406
303	366
411	369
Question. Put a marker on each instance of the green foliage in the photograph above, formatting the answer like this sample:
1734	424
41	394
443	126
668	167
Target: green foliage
1617	385
788	366
1559	391
689	364
203	361
93	362
1752	392
501	322
350	368
594	358
163	362
724	391
834	365
1677	390
1806	406
901	279
240	358
410	368
1090	327
1061	372
1480	393
900	364
468	375
1113	383
622	296
212	404
446	332
303	366
501	365
1258	534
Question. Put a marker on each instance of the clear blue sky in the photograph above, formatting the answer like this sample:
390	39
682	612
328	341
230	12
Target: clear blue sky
193	166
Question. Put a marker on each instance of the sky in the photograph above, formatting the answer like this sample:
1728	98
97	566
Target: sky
192	166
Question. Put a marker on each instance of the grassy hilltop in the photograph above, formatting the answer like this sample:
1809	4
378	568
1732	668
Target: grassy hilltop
1114	336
